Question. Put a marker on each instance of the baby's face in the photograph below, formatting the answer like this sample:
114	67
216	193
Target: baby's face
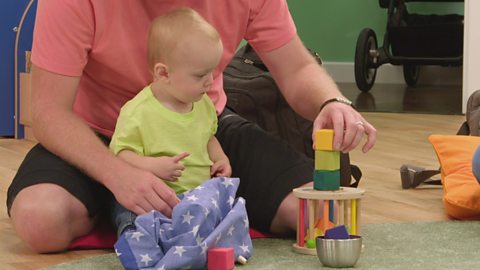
192	73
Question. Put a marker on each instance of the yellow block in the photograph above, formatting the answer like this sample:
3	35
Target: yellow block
327	160
324	139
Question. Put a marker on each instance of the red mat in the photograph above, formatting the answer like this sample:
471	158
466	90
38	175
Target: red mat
103	237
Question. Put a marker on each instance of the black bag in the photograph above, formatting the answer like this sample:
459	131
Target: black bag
254	95
413	176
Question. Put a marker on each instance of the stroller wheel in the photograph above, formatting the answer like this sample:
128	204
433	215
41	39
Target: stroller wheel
365	59
411	74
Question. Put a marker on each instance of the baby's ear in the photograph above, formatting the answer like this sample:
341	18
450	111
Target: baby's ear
160	71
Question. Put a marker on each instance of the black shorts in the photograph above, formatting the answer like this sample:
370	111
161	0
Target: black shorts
42	166
267	167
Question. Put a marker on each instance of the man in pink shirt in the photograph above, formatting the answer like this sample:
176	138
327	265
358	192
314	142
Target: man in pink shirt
89	58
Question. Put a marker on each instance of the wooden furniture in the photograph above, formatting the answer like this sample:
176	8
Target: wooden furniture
26	105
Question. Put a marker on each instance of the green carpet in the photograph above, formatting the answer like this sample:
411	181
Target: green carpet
432	245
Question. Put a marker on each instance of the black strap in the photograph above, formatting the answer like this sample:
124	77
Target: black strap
347	171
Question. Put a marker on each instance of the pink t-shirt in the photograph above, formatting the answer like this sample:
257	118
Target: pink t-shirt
104	42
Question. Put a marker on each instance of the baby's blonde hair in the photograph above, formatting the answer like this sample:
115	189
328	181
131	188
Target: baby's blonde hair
172	28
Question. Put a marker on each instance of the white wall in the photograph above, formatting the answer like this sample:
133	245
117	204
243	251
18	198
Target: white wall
471	50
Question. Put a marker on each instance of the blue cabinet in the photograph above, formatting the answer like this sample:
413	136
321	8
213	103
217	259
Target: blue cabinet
11	12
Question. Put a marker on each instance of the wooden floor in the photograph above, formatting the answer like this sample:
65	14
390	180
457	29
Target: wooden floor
402	139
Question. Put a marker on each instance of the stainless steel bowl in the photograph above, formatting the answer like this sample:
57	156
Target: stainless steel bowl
339	253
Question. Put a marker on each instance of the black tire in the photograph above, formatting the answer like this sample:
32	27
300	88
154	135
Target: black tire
411	73
364	72
384	3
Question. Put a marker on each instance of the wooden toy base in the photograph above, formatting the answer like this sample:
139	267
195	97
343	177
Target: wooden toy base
304	250
339	207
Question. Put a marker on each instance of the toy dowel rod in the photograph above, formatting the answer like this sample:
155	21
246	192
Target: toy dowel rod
301	223
311	219
353	220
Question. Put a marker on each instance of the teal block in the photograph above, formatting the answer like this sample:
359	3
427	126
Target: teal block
326	180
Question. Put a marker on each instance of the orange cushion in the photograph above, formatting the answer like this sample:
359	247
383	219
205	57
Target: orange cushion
461	191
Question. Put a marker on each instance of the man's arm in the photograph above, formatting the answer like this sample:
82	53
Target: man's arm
306	86
65	134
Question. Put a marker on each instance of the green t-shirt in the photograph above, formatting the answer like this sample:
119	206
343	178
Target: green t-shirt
148	128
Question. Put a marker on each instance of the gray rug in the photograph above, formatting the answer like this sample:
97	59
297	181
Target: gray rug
433	245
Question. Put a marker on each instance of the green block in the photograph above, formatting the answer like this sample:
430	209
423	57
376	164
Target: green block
326	180
327	160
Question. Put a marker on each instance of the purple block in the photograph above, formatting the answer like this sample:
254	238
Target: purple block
339	232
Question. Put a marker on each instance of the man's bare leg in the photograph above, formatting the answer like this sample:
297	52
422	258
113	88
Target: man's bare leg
48	218
285	220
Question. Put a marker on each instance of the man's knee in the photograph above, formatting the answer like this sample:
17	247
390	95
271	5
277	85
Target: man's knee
45	218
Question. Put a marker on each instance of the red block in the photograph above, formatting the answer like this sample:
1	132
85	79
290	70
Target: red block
220	259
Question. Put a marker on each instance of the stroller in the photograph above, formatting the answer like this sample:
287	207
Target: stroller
411	40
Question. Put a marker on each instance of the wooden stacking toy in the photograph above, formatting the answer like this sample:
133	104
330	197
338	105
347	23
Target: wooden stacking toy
337	205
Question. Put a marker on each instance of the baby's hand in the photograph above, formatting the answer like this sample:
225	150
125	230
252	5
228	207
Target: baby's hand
170	168
221	168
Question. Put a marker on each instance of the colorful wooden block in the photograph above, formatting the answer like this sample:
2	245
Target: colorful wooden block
324	139
326	180
327	160
221	259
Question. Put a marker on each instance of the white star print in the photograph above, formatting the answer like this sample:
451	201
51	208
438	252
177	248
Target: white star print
179	250
245	220
206	211
118	253
187	217
204	248
195	229
230	230
241	200
137	235
227	182
199	188
192	198
230	201
145	258
162	268
199	240
214	202
218	238
245	248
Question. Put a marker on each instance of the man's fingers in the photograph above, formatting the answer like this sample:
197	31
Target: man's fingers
338	134
159	204
166	194
371	137
138	210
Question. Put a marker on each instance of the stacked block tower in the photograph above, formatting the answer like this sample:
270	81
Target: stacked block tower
327	162
326	205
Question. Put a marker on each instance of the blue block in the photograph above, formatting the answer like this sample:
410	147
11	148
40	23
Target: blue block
339	232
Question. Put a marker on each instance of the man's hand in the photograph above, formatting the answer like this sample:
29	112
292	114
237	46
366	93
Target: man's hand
348	125
141	191
221	168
